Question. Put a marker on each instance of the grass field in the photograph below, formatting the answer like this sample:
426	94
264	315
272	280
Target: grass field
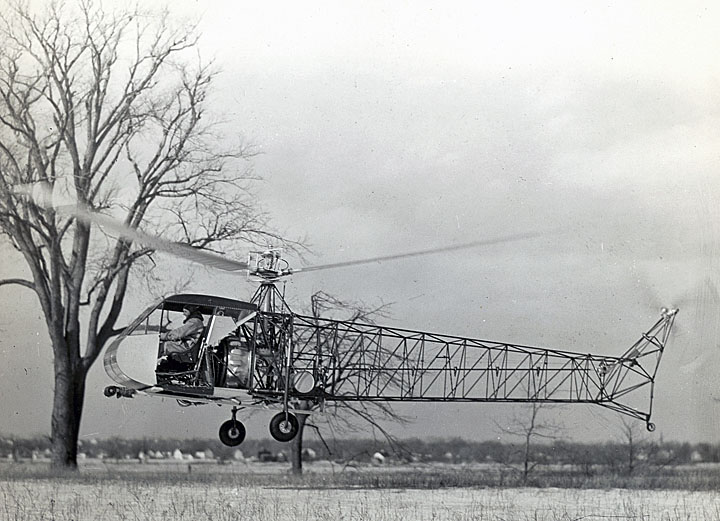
267	492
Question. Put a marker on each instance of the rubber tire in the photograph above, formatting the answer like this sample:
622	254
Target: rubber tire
283	430
232	433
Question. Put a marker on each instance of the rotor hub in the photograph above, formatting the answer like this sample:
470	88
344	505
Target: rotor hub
268	264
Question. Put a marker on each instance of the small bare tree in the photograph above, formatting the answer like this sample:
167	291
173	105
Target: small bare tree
529	428
109	108
637	447
630	436
347	416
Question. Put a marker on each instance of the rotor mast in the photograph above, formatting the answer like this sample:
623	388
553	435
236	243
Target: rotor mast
268	267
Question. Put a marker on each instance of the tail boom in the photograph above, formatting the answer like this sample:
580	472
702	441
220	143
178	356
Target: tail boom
361	362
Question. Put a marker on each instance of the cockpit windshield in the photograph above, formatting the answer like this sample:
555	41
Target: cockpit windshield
148	323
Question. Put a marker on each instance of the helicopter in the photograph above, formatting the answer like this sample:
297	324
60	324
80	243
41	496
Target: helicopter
260	354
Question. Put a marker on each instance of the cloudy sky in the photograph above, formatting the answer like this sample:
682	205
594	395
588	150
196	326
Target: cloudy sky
388	127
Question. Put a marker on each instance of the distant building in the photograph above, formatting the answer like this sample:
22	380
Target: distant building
309	454
265	455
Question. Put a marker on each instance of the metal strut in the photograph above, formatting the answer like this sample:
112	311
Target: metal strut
274	329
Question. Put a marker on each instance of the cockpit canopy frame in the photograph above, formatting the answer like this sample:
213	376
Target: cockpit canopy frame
208	304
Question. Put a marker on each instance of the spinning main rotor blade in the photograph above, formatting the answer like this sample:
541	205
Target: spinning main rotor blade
183	251
42	196
467	245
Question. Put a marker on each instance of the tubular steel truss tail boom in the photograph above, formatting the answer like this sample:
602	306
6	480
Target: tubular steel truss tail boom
367	362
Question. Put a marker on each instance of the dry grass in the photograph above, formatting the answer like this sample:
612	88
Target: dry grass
326	475
60	500
266	492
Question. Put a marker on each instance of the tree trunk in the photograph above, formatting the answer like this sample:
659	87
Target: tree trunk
296	446
526	458
631	457
67	411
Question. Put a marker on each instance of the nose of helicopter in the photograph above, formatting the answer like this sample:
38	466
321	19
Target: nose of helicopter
135	359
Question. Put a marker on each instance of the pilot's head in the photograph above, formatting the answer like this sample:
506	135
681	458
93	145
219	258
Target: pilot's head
190	310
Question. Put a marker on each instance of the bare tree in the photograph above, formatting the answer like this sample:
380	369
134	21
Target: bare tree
107	107
352	415
630	437
529	428
637	447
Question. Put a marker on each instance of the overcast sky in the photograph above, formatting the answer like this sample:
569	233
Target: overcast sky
388	127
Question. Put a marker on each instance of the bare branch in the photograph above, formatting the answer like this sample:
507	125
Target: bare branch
19	282
355	415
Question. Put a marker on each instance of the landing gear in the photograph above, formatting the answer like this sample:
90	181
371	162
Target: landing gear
232	432
650	427
284	426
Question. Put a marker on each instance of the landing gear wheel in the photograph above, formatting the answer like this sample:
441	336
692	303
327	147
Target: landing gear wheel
650	427
232	433
284	426
110	390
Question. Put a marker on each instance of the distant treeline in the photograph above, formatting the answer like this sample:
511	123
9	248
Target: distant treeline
455	450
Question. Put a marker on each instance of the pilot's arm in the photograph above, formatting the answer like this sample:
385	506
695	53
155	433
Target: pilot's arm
181	332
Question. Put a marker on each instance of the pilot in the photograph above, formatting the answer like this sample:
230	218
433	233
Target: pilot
182	339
